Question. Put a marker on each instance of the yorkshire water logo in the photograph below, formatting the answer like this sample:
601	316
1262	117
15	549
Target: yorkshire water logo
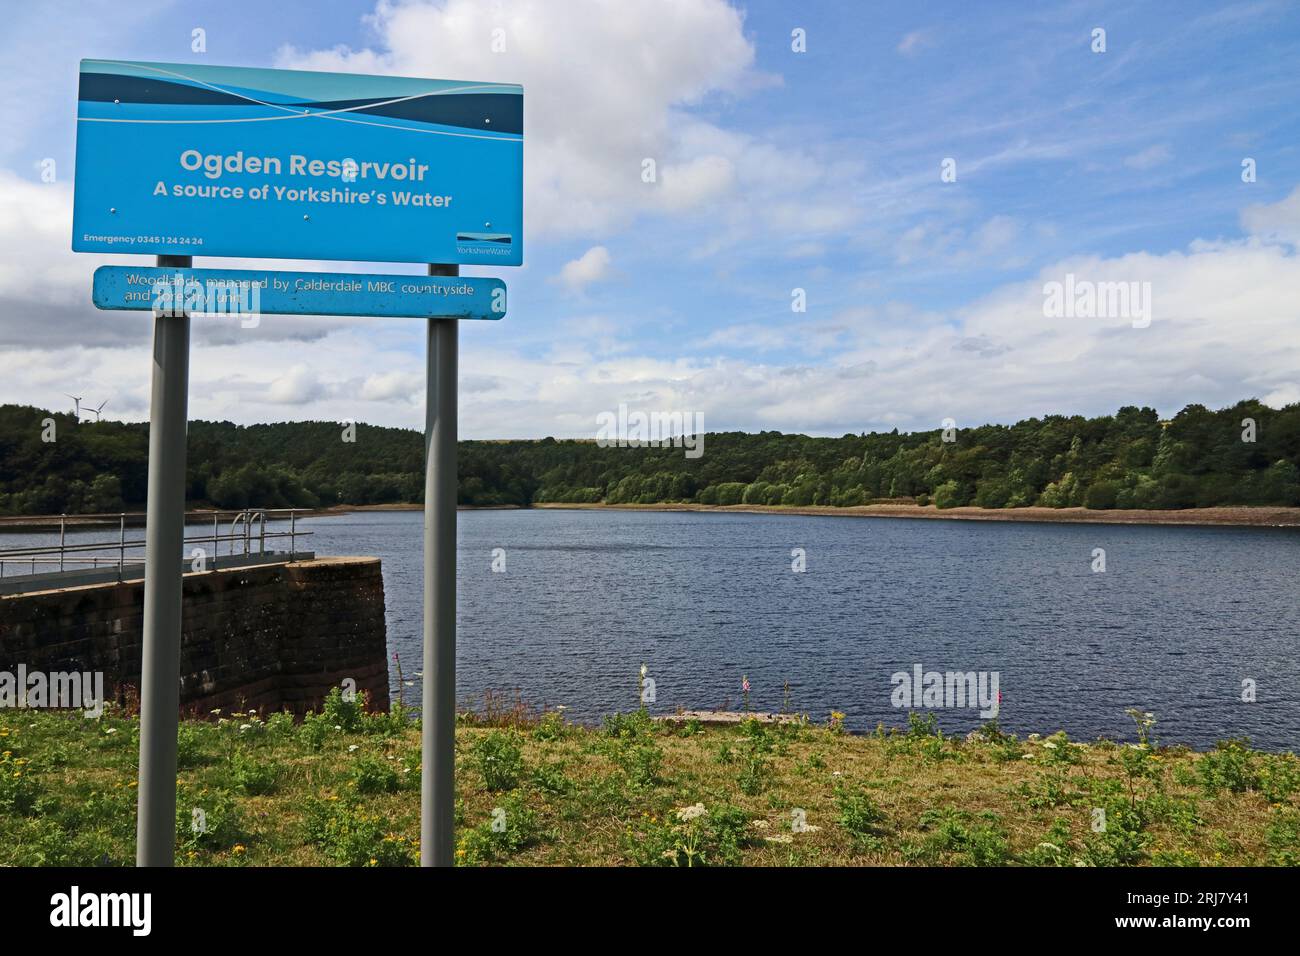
76	909
485	243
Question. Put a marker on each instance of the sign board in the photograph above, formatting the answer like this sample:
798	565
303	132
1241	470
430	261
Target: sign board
247	292
196	160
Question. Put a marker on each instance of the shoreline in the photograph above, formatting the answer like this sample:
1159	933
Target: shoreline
1220	516
1225	516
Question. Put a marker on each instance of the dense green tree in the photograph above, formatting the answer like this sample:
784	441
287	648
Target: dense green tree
1248	454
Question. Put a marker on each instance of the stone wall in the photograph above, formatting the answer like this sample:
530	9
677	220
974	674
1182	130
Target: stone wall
267	637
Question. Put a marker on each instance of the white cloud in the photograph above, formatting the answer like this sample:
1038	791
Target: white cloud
1149	158
1279	220
606	85
914	42
591	266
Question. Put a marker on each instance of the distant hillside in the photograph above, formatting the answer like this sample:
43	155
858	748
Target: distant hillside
1128	460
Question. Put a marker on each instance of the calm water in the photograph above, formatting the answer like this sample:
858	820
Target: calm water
1179	618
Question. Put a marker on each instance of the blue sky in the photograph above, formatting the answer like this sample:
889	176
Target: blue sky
778	170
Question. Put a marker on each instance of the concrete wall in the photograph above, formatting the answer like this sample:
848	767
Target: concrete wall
269	637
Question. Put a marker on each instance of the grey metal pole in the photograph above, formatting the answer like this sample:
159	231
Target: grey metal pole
164	536
438	785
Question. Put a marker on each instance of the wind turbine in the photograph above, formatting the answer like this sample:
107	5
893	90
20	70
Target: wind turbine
77	406
96	411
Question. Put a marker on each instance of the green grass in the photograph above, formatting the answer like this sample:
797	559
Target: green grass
342	788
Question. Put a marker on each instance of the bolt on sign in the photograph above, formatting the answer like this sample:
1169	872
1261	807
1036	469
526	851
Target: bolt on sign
193	160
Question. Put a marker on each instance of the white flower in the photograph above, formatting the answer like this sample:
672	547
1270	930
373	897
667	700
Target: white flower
686	814
111	730
243	727
780	838
1048	744
352	748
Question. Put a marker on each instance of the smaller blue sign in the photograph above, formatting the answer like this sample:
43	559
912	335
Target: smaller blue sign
245	293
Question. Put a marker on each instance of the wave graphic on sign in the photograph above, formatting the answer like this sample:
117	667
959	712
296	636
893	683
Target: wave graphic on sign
149	94
498	238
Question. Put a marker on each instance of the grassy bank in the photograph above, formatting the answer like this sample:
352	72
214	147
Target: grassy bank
343	789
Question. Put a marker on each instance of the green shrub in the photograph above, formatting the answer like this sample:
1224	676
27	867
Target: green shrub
1229	766
19	790
626	726
499	759
955	832
189	745
347	715
372	775
510	828
255	775
207	820
349	836
691	836
859	817
641	763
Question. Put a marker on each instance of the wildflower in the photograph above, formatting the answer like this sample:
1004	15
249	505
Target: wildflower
744	683
243	727
216	712
686	814
111	730
779	838
239	848
352	748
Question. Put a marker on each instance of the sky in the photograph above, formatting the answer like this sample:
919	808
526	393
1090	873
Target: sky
853	236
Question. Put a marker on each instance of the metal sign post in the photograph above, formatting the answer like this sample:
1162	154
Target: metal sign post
438	734
164	534
179	158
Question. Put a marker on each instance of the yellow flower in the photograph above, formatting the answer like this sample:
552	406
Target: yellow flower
373	862
239	848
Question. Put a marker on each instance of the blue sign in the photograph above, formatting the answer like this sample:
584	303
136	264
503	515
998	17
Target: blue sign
194	160
245	293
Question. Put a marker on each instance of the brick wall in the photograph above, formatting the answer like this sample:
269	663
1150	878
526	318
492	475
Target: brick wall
269	637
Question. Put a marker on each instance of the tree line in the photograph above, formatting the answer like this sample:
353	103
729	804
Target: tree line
1248	454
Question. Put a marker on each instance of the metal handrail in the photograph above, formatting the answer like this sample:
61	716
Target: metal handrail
63	553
